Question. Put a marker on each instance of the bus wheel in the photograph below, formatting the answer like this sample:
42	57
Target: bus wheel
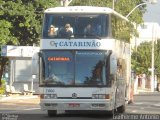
52	113
121	109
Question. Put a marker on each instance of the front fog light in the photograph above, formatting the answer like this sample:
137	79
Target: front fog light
94	96
50	96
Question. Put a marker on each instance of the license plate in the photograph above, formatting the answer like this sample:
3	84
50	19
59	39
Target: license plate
74	105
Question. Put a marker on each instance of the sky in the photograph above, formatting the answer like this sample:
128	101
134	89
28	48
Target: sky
153	13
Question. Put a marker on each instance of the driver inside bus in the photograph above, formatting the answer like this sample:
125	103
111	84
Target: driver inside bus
66	32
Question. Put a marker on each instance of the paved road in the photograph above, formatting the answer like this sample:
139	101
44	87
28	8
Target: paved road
28	109
145	103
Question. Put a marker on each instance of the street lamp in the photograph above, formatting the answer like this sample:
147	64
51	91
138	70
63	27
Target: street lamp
152	64
135	8
151	1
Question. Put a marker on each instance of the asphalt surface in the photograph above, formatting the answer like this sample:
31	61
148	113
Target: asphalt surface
27	108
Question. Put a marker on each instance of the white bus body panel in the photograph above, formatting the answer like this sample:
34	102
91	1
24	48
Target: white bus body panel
119	48
87	103
89	44
83	10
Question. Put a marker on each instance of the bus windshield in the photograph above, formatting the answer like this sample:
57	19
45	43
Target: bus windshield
81	25
73	68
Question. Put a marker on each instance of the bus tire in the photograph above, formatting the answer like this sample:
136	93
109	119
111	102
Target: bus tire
121	109
111	113
52	113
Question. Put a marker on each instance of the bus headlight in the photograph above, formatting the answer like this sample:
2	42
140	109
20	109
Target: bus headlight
94	96
100	96
48	96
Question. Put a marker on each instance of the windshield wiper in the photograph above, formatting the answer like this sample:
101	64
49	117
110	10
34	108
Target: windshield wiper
53	80
49	80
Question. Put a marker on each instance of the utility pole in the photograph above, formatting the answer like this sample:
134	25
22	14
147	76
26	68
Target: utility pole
65	3
152	64
113	4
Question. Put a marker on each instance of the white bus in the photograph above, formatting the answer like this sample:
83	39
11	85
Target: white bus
84	72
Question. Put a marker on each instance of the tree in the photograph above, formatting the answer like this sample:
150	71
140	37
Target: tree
141	58
157	59
20	23
23	20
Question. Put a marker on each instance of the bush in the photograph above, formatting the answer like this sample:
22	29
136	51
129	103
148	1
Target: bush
2	88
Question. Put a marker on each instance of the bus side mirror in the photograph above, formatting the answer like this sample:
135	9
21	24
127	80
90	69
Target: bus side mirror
35	64
113	64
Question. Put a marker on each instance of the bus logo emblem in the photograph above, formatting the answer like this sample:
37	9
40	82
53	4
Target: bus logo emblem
74	95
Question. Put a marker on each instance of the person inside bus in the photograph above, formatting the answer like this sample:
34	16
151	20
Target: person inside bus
52	32
88	30
66	32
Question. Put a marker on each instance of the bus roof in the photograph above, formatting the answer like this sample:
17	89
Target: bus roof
83	10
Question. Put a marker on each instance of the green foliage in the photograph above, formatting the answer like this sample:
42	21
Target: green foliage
102	3
157	58
20	21
121	6
141	58
2	88
125	6
121	29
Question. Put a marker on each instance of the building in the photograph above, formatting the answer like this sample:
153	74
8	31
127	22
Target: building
20	65
147	31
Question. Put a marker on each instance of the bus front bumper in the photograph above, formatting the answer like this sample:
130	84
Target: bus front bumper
74	104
